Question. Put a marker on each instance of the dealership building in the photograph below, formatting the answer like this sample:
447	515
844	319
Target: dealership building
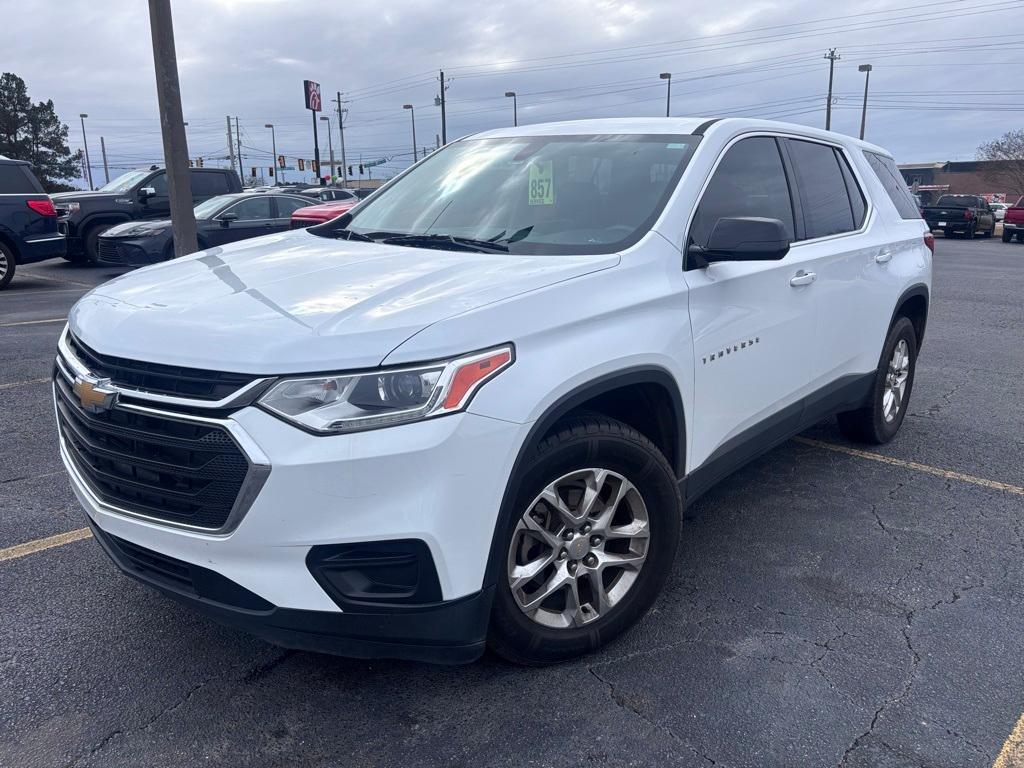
998	180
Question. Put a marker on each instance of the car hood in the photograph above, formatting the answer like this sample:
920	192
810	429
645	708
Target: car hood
295	302
78	197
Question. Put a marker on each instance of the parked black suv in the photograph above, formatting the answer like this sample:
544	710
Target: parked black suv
28	221
135	195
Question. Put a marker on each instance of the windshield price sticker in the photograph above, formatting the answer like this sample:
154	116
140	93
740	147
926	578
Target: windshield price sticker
542	190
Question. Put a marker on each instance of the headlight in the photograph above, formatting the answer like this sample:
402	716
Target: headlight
139	232
73	207
338	403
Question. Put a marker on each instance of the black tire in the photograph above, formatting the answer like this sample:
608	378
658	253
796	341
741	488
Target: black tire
91	244
579	443
1020	237
989	232
970	232
7	265
868	424
1007	236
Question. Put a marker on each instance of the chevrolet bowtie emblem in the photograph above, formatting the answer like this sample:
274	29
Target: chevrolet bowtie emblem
94	394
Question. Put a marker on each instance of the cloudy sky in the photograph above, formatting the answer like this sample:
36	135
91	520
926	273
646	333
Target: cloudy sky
946	72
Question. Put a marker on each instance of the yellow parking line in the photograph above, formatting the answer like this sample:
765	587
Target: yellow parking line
31	547
948	474
14	384
1012	753
34	322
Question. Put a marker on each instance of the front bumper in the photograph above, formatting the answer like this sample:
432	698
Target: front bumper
131	252
439	481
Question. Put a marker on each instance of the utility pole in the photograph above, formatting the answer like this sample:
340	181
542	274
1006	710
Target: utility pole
330	142
85	141
231	145
866	69
440	100
238	140
832	57
172	128
316	152
106	169
341	131
667	76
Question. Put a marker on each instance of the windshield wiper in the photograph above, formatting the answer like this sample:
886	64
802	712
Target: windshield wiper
348	234
446	242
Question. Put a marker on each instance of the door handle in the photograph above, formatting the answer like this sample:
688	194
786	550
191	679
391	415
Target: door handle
802	278
883	257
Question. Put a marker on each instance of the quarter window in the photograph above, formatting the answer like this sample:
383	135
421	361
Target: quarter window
858	206
895	187
749	181
824	198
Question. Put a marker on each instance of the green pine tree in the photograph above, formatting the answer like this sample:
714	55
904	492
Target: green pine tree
33	132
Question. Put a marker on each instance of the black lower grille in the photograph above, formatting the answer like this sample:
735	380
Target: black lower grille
178	471
159	378
108	252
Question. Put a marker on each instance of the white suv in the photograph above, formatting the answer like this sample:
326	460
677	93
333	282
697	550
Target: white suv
471	411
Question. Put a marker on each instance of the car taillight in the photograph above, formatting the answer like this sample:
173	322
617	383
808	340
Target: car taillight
968	214
929	241
42	207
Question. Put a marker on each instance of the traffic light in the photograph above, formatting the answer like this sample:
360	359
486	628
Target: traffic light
302	164
350	170
253	174
199	162
315	167
271	169
360	169
280	161
189	163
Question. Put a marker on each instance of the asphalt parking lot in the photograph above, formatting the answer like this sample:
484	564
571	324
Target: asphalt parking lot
829	605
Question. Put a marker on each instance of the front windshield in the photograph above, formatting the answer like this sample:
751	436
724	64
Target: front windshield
124	182
534	194
209	208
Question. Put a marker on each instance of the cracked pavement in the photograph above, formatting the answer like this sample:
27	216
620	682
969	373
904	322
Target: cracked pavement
824	610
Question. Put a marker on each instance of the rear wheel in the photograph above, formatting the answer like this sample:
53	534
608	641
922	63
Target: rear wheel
880	420
589	542
6	266
1007	236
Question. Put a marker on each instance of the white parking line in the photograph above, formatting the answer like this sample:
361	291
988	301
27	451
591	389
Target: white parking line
34	322
37	276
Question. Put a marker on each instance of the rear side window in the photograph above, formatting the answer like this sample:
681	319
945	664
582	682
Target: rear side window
16	179
824	198
209	184
288	205
252	209
889	175
750	181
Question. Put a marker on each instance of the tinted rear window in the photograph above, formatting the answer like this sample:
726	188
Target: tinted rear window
823	193
895	187
16	179
206	184
958	201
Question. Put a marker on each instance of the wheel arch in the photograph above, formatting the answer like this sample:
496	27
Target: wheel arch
913	304
635	385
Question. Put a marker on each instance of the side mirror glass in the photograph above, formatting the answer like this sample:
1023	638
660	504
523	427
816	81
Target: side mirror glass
225	219
147	192
745	238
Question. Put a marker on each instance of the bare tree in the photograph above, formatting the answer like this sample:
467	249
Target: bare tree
1009	150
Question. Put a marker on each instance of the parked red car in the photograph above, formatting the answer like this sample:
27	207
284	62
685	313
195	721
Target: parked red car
318	214
1013	222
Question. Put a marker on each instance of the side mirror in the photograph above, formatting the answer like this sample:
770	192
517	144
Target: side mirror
225	219
147	192
746	238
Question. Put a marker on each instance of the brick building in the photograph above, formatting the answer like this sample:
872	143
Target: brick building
1000	180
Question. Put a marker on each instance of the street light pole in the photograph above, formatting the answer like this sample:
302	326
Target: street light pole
866	69
330	143
667	76
273	144
515	107
85	141
412	113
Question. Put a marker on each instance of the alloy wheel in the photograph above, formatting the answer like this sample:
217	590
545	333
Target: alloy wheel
4	265
896	381
578	548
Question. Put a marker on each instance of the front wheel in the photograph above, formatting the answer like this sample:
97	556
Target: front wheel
590	540
6	266
880	420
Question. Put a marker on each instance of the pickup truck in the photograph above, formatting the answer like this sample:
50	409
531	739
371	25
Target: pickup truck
963	215
135	195
1013	222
